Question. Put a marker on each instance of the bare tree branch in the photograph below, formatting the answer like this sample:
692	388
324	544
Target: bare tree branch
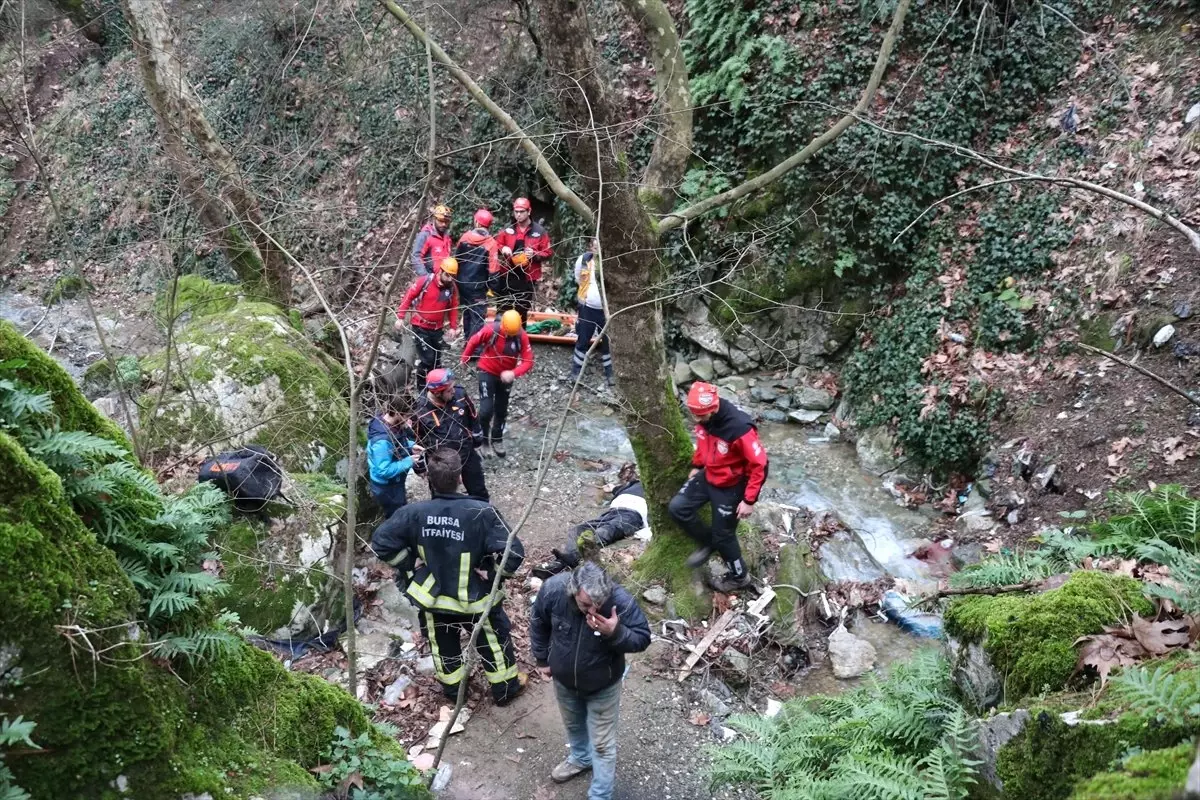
1191	234
674	220
1185	395
673	145
560	189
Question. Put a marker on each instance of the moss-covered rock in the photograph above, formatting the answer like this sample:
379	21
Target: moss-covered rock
233	726
240	373
798	567
1050	757
1030	638
1157	775
282	573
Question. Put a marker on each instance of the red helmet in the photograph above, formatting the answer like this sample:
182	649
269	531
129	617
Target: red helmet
702	398
522	204
439	378
483	218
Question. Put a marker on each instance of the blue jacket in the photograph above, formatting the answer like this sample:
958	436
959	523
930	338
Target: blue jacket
389	457
578	659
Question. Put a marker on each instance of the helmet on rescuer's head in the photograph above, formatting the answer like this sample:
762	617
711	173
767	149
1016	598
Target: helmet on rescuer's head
522	204
449	265
439	379
441	213
702	398
483	218
510	322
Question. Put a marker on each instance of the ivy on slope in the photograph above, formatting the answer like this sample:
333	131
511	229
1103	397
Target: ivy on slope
769	77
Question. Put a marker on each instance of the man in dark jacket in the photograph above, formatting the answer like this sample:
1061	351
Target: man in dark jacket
728	471
581	627
478	260
452	545
446	418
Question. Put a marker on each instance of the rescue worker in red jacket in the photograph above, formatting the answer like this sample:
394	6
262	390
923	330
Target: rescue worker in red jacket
478	260
729	468
504	356
514	285
433	242
433	300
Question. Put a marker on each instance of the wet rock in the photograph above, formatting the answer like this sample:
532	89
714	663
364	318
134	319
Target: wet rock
975	522
765	393
712	704
849	655
804	417
736	666
783	402
682	373
734	383
1182	309
773	415
655	595
832	432
876	450
814	399
702	368
981	684
721	368
995	732
1164	335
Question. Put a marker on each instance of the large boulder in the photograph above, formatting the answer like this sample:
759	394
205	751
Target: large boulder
850	655
284	576
876	449
239	372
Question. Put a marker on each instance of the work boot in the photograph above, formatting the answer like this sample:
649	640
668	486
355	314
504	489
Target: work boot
699	558
509	696
731	582
566	770
498	448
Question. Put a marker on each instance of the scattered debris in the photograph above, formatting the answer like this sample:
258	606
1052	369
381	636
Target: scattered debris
1125	645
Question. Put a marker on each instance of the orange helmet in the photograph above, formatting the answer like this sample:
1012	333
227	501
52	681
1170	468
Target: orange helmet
519	259
510	322
441	213
449	265
702	398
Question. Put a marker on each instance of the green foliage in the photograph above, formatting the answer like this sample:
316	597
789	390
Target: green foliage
1184	587
158	540
902	738
1167	514
64	288
384	774
16	731
1031	638
1156	775
1170	693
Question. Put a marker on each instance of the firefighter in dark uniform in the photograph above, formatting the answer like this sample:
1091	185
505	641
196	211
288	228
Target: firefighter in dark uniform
448	550
446	418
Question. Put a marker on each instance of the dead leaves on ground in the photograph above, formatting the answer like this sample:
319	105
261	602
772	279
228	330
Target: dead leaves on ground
1126	645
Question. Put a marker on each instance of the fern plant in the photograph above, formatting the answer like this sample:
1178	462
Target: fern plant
902	738
1169	693
1166	514
160	541
14	732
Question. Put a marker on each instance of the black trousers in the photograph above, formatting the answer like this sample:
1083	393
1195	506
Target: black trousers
430	345
493	405
472	474
474	312
721	535
612	526
588	322
445	633
513	289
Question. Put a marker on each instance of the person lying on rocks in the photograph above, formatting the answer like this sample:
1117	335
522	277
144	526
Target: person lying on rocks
626	515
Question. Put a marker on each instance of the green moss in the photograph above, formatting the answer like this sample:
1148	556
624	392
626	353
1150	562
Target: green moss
797	567
196	296
40	370
1049	758
65	288
1094	332
1030	638
247	376
1157	775
665	557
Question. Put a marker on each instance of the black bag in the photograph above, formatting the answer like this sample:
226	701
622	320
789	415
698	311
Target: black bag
251	476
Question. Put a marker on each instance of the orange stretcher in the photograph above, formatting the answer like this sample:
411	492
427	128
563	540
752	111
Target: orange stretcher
568	321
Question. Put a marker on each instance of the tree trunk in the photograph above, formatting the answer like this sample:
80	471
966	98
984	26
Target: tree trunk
229	210
631	268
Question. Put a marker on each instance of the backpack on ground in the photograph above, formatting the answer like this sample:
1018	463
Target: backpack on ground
251	476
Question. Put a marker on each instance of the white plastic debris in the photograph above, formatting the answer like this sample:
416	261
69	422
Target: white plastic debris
442	779
1164	335
773	708
1193	114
